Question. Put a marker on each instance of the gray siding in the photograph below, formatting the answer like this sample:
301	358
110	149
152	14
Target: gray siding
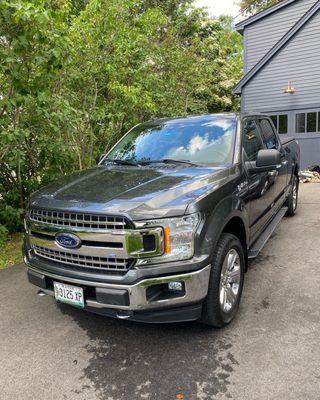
262	35
310	150
299	62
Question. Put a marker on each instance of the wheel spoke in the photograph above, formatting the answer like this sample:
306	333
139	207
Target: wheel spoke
230	281
231	260
295	193
224	268
231	297
223	297
234	275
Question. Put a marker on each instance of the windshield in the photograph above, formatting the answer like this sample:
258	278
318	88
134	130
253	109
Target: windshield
201	140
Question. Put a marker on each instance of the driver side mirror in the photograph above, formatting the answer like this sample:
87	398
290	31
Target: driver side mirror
267	160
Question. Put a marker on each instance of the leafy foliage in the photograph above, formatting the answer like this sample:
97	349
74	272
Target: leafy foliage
251	7
33	48
10	250
75	75
3	235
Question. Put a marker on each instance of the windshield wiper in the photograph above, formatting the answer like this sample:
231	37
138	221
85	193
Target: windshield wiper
168	161
118	161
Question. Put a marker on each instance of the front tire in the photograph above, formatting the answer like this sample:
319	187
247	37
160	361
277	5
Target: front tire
226	282
292	200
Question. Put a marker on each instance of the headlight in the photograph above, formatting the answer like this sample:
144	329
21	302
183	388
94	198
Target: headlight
178	238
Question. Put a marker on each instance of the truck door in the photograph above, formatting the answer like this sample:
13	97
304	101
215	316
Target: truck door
271	141
259	197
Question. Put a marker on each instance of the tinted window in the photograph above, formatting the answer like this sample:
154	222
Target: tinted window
269	135
207	140
252	141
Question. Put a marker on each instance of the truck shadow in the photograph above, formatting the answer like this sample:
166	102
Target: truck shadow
139	361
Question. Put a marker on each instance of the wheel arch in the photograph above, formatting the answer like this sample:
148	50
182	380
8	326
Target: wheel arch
237	227
229	216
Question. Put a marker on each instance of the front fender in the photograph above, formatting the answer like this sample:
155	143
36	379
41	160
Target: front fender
217	219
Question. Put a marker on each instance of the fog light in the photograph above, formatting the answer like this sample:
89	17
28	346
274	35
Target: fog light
175	286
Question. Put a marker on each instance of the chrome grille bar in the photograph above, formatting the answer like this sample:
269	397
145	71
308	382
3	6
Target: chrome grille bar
79	220
86	261
106	243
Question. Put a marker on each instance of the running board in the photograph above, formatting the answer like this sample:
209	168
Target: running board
264	237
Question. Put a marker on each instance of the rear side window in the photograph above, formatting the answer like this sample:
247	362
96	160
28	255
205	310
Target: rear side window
251	140
268	134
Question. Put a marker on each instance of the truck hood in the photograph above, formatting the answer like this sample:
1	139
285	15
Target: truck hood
139	192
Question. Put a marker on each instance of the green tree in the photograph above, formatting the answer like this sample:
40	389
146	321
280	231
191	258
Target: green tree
75	75
131	63
251	7
33	48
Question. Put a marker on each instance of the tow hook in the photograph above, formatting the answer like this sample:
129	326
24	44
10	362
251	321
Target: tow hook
124	314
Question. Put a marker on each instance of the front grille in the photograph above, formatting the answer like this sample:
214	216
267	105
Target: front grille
79	220
84	261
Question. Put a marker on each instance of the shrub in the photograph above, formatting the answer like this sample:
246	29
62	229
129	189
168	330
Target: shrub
76	75
10	219
3	234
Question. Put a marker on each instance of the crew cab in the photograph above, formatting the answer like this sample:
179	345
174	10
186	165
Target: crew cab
161	230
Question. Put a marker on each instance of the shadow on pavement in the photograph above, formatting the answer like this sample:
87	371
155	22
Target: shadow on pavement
140	361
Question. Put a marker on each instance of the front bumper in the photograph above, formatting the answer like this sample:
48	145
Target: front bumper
147	300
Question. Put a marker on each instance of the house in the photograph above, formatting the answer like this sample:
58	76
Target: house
282	71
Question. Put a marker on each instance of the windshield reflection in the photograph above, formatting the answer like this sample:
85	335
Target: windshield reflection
205	140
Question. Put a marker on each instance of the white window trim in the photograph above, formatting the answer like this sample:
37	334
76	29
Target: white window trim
275	114
305	112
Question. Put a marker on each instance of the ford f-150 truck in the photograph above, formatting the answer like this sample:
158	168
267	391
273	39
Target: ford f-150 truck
161	230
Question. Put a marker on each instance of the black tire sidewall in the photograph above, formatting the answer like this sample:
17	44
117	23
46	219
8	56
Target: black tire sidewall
212	313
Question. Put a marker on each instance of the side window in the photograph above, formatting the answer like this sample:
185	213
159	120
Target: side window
269	135
251	140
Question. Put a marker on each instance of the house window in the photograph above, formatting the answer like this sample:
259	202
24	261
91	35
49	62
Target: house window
281	123
312	122
301	123
308	122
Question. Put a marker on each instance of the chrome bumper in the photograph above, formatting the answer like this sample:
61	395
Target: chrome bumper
196	289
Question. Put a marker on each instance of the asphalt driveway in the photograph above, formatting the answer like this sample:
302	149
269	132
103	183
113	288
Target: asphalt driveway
271	351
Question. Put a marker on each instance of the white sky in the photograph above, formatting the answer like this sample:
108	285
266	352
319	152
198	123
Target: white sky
218	7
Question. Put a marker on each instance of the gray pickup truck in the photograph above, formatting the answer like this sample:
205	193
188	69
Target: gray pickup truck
161	230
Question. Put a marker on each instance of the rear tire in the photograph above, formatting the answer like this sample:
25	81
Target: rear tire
226	282
292	200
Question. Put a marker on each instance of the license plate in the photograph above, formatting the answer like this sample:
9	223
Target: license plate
68	294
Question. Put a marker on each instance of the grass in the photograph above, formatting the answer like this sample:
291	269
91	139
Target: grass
10	251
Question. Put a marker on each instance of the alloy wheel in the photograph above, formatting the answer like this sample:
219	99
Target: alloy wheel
230	281
294	193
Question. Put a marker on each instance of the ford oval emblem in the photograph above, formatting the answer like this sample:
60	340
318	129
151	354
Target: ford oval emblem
68	240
